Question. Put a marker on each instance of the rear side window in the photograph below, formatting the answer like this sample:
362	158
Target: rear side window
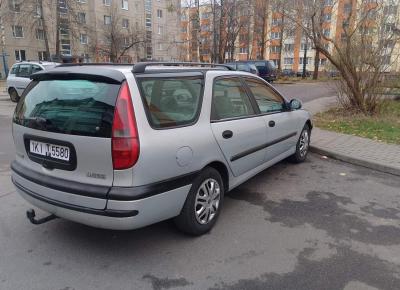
75	107
171	102
230	100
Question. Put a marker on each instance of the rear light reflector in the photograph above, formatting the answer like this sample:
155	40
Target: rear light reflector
125	139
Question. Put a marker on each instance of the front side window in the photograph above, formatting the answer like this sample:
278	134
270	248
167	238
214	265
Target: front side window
171	102
230	100
267	100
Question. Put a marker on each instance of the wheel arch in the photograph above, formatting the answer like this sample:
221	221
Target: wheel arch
223	171
309	123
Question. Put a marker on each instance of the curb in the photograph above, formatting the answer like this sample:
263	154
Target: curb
355	161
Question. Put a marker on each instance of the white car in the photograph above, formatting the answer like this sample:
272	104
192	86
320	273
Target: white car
19	76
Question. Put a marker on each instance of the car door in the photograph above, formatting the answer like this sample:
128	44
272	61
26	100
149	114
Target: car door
240	133
22	77
281	124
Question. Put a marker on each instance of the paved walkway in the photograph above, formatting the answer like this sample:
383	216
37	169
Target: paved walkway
357	150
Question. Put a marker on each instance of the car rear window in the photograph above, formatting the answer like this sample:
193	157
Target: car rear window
75	107
171	102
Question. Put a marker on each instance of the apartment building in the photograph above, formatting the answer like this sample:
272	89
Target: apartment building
267	34
89	30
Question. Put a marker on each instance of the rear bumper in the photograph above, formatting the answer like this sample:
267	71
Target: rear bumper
116	214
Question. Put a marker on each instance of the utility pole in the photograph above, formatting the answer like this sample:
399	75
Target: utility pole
3	52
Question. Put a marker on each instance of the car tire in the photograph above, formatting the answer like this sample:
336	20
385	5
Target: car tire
302	146
201	209
13	95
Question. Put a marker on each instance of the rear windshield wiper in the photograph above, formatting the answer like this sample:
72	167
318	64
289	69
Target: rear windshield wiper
40	122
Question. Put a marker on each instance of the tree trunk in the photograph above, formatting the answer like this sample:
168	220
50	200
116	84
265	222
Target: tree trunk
44	25
222	37
316	65
58	50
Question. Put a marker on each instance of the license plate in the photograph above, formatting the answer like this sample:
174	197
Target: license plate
50	150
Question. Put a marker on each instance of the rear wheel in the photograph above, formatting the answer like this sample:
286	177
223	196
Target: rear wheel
13	95
302	145
203	204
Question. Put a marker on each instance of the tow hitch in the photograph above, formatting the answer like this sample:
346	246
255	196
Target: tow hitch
30	214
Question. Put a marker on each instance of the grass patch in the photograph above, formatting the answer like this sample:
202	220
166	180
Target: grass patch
385	127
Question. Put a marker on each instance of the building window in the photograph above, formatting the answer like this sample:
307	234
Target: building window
326	32
42	55
289	47
38	11
327	17
15	7
184	29
276	21
107	2
288	60
18	31
82	1
160	29
159	13
107	20
124	4
328	2
40	34
275	35
160	46
244	50
275	49
125	23
82	17
83	38
20	55
126	43
63	8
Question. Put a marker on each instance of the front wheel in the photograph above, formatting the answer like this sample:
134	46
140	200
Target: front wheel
13	95
203	204
302	146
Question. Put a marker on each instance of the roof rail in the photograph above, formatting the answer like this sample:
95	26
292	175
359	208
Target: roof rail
141	66
93	63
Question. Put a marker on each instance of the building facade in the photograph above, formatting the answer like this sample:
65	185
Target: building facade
265	33
89	30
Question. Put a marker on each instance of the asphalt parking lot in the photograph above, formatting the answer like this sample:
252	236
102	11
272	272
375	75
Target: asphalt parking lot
322	224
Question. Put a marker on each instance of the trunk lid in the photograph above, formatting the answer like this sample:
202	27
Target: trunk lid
62	129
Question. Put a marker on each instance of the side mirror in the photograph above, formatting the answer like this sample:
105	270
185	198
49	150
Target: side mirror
295	104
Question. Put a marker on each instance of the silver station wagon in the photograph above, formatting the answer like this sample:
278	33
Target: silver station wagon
120	148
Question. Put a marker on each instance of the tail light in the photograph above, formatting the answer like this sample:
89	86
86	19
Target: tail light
125	139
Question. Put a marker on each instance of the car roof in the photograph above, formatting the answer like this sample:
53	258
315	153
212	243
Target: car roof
37	62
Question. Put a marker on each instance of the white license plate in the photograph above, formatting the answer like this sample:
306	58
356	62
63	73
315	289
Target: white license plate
50	150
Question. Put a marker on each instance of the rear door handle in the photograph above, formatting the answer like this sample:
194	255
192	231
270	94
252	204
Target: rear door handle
271	123
227	134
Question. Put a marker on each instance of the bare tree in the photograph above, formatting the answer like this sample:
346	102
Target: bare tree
361	53
286	27
260	31
117	40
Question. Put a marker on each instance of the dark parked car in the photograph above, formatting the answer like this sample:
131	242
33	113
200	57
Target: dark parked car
300	73
288	73
244	66
266	69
